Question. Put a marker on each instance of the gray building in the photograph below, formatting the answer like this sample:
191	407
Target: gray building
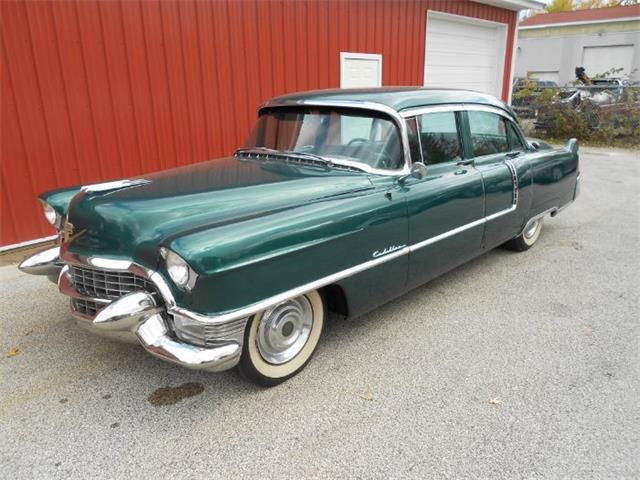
550	46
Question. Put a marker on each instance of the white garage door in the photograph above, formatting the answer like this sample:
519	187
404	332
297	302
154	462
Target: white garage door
598	60
463	52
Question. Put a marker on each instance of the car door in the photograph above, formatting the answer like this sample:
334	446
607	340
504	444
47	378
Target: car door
445	209
501	163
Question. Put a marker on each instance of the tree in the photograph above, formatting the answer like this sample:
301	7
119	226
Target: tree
560	6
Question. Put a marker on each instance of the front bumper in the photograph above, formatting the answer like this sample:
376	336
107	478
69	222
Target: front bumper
142	317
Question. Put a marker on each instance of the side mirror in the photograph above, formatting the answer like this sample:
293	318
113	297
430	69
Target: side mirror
418	171
535	145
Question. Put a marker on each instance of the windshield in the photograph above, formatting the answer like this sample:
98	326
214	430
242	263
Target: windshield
346	136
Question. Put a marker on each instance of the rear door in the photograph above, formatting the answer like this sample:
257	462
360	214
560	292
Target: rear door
499	155
446	207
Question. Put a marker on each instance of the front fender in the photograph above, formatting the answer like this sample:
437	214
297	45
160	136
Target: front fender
60	198
244	263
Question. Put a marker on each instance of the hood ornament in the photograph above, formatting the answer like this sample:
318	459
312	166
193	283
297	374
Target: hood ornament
67	232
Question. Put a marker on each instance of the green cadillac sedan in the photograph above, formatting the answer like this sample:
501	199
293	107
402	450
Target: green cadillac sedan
339	201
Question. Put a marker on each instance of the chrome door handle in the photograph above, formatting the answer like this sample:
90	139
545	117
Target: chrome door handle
467	161
513	154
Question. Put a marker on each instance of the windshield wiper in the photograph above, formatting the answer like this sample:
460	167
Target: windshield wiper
299	155
310	156
284	153
257	150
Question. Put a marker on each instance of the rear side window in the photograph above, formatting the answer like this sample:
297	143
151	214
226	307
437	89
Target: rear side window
439	137
515	143
488	133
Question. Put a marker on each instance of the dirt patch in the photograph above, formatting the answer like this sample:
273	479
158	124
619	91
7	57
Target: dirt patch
170	395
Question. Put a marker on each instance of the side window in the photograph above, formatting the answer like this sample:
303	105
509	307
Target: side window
414	141
515	142
488	133
439	137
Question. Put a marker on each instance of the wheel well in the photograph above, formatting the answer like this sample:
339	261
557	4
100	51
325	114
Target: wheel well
335	299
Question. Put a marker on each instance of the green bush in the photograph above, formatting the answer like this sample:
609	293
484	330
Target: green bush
588	121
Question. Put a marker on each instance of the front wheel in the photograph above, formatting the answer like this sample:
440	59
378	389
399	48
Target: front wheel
527	238
279	341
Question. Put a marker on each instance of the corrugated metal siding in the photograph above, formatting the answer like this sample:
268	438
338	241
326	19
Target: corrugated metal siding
97	90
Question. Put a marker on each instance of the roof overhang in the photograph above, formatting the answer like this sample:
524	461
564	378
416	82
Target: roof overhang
515	5
584	22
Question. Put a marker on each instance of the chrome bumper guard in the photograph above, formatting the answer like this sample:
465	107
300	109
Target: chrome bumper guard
45	262
137	317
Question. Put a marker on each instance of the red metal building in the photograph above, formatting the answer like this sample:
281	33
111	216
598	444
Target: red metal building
96	90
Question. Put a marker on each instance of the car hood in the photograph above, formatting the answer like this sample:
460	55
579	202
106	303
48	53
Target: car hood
133	220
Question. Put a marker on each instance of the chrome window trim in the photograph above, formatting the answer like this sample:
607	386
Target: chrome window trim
455	107
359	105
437	109
415	111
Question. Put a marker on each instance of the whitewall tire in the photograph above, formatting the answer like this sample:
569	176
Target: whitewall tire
280	341
528	237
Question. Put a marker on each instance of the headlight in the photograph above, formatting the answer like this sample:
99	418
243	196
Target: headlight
178	269
50	214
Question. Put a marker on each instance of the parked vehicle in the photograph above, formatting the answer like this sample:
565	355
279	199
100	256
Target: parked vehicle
531	89
340	200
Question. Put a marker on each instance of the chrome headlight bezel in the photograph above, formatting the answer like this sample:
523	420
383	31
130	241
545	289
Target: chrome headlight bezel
51	215
179	271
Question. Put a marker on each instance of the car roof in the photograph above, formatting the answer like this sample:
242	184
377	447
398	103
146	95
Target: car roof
397	98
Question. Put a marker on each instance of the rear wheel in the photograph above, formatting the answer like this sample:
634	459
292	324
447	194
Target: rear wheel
527	238
279	341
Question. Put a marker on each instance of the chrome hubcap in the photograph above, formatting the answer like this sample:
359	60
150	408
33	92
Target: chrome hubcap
284	330
530	229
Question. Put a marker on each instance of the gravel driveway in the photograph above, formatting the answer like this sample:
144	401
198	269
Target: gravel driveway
512	366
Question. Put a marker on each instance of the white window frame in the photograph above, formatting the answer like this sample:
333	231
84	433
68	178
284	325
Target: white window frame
359	56
503	29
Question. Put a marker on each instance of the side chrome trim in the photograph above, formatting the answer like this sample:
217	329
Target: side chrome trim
269	302
322	282
514	179
493	216
450	233
358	105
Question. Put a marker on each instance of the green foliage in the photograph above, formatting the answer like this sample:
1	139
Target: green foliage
527	89
591	122
560	6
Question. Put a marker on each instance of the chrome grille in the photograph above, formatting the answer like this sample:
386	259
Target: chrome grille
107	284
88	308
